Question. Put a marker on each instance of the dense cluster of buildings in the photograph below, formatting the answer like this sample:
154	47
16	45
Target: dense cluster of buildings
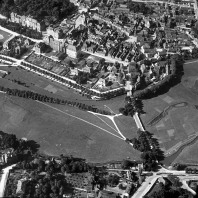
135	47
27	21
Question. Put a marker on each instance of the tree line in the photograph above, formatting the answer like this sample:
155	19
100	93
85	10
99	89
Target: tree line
52	11
151	153
176	63
132	105
44	98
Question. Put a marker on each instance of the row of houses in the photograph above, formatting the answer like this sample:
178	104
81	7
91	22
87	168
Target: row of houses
27	21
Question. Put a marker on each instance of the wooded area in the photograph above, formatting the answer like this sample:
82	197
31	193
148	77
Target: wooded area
52	10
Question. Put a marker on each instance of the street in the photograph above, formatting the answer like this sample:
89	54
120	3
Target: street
4	179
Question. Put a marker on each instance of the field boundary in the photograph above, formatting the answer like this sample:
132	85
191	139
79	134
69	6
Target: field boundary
184	144
165	112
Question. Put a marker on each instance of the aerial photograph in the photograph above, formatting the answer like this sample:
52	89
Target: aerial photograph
98	98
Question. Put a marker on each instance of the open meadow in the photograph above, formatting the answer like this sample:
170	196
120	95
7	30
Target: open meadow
61	129
173	125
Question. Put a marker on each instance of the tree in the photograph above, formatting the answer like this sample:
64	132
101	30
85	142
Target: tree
126	164
113	180
9	141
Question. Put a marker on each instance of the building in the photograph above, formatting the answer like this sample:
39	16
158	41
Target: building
128	190
55	39
100	83
72	51
58	45
40	48
112	77
21	186
56	33
81	20
27	21
7	156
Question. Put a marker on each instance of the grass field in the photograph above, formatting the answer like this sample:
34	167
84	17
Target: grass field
4	36
180	123
176	127
188	155
128	126
63	130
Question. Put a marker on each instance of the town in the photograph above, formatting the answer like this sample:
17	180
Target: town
80	54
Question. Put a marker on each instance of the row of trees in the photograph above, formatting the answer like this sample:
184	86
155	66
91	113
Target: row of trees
44	98
138	7
149	146
84	90
63	165
16	27
132	105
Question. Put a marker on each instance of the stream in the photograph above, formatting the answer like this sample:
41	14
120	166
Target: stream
168	160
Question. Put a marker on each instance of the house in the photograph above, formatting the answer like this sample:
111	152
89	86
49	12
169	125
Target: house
162	180
72	51
73	71
81	20
7	156
27	21
6	44
87	69
112	77
100	83
58	45
55	39
129	88
128	190
27	42
21	186
56	33
17	49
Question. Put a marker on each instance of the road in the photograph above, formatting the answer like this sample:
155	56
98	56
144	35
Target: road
16	34
146	186
138	122
4	179
150	181
153	1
